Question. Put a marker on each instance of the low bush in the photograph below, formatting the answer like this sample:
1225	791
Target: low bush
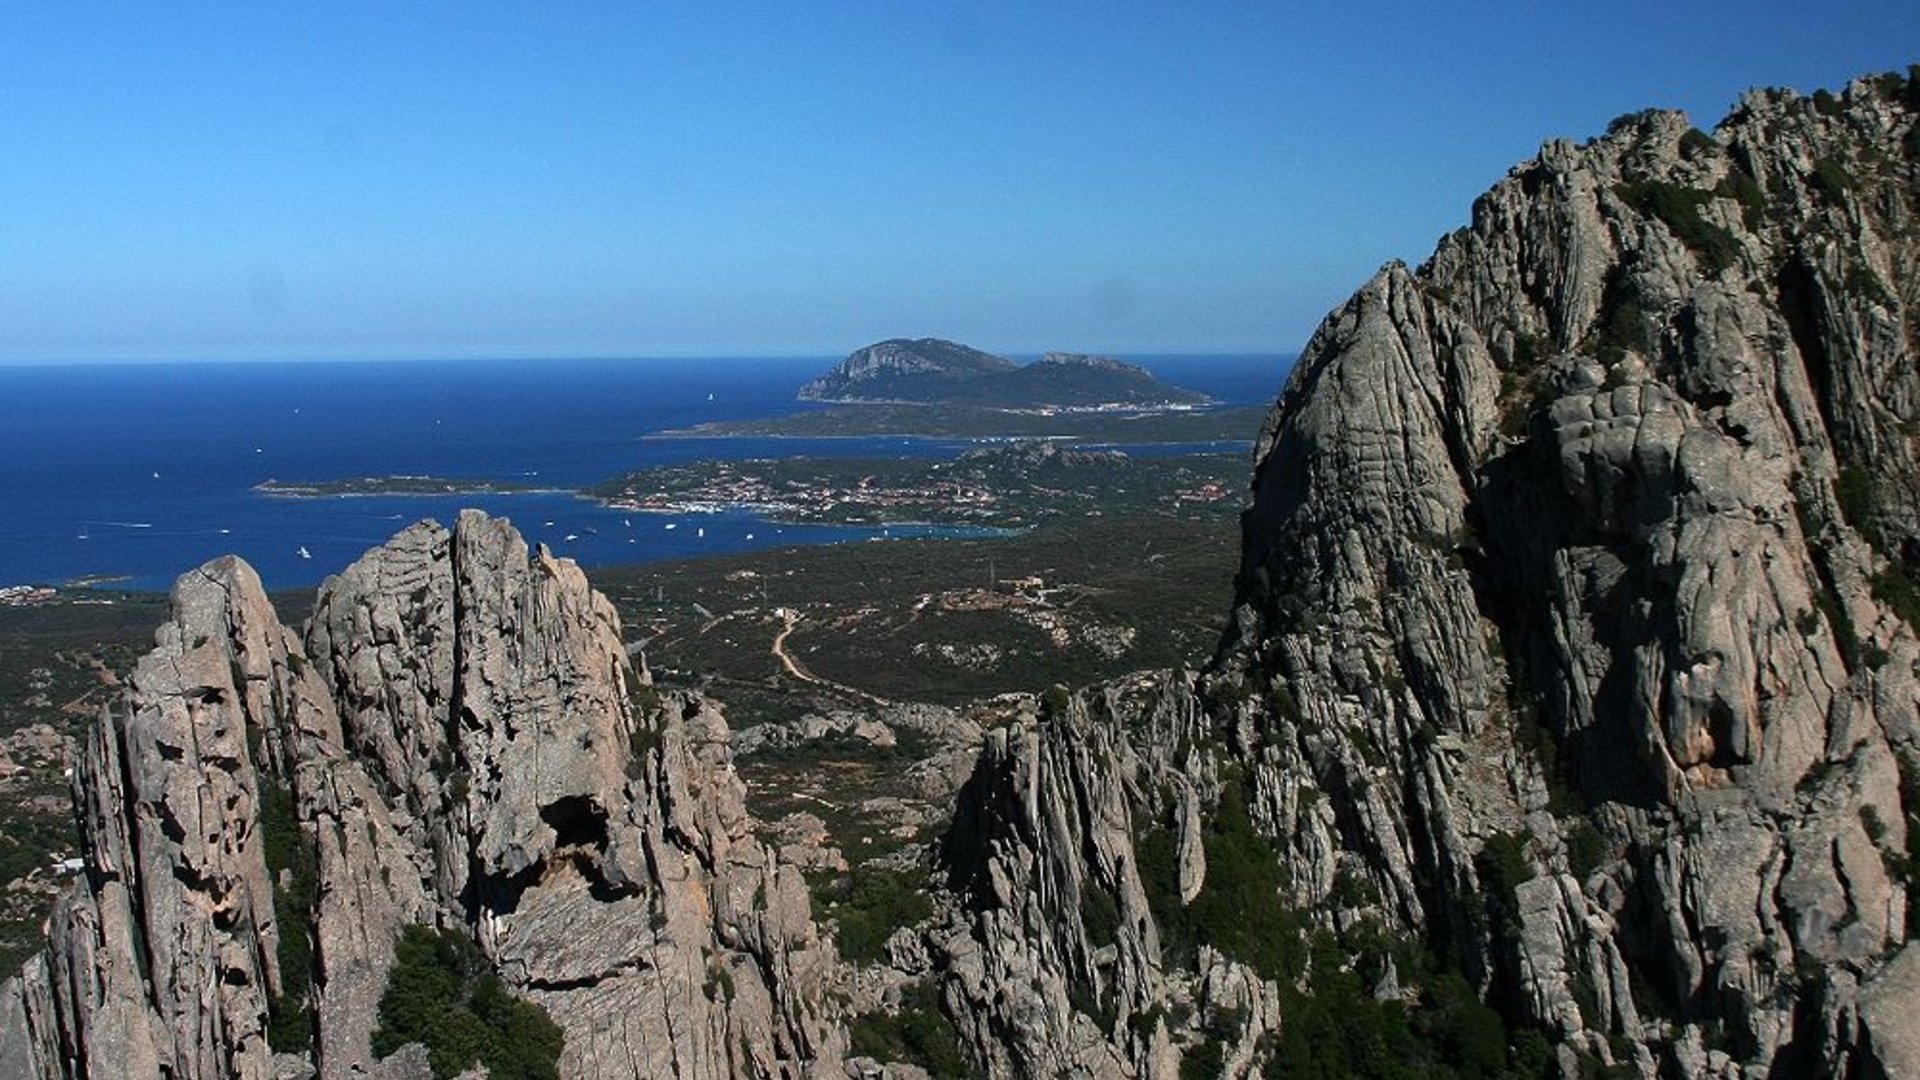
919	1034
1678	208
872	903
441	993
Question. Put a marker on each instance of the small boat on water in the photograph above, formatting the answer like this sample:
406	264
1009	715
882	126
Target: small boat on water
673	524
570	537
304	553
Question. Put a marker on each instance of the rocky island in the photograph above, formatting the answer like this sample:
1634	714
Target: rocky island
930	371
1563	724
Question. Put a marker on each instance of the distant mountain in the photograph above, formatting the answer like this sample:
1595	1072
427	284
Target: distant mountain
929	371
901	369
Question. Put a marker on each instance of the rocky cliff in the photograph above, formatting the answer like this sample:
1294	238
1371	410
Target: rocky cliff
1573	664
461	741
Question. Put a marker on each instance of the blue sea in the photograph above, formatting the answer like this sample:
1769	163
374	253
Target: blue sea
134	473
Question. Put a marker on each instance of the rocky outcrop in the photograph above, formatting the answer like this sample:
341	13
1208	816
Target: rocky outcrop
1573	645
462	741
1614	492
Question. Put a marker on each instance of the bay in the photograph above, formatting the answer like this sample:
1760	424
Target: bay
138	472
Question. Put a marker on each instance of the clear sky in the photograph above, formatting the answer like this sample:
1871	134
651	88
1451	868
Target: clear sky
794	178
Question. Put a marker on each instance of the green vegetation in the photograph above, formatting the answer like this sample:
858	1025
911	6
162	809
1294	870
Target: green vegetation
1678	208
1209	1059
1586	848
441	993
919	1034
1740	186
1099	914
868	905
1831	179
1524	395
59	662
939	620
295	873
1240	910
1904	866
1853	490
1337	1029
1895	589
1503	867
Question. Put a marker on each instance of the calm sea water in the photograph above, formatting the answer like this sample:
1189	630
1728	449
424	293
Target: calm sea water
142	471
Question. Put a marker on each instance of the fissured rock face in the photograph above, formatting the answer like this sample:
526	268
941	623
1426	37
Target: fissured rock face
1569	639
461	741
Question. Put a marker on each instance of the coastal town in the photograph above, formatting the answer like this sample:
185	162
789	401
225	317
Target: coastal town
1008	486
27	595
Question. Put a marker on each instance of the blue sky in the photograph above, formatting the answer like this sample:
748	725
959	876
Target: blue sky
396	180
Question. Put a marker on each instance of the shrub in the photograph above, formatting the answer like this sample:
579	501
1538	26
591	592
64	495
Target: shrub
1678	208
1740	186
1586	848
1830	179
919	1034
874	902
1337	1029
1853	490
1239	910
442	994
1055	701
1895	589
294	871
1099	914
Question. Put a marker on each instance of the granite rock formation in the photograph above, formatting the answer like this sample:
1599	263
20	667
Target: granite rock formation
462	741
1574	646
1564	723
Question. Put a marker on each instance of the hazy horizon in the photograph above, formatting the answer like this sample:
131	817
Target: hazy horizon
366	182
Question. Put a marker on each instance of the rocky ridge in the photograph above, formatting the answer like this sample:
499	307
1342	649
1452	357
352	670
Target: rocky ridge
1573	661
461	741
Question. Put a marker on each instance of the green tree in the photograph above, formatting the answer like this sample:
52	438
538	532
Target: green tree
442	994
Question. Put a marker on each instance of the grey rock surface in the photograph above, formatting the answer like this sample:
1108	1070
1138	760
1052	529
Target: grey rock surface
1572	638
460	741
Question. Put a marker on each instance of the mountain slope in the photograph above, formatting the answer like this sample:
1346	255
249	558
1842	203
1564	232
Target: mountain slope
901	369
1572	660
